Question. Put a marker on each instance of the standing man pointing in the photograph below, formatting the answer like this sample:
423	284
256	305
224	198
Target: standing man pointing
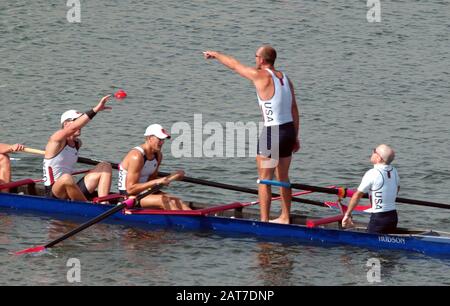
280	137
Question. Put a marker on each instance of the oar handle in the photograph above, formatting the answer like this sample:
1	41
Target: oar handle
174	176
33	151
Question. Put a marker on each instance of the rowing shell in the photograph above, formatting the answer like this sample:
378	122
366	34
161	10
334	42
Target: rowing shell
241	221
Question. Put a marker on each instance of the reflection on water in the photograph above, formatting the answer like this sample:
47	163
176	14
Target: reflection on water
358	84
5	223
276	264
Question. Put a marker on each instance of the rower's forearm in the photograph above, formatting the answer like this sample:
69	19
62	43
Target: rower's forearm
227	60
5	148
138	188
354	202
78	124
351	207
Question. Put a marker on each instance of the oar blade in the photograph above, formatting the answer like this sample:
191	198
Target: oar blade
32	250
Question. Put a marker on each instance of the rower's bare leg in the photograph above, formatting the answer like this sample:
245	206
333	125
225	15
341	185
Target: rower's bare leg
174	202
163	201
282	174
99	178
185	206
264	191
180	204
5	170
66	188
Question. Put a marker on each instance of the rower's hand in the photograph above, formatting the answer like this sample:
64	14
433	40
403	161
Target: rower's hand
164	181
178	175
175	176
347	222
209	54
16	147
101	105
296	146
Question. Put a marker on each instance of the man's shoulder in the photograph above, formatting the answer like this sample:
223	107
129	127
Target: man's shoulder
263	72
134	157
263	77
58	136
133	162
135	154
371	173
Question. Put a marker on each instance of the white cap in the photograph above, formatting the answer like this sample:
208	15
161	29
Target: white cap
70	115
156	130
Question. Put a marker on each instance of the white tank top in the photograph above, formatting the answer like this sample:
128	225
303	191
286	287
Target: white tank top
381	183
149	168
277	110
62	163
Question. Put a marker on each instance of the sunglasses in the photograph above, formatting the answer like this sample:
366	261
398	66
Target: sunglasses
374	151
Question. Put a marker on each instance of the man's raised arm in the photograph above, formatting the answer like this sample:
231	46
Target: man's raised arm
247	72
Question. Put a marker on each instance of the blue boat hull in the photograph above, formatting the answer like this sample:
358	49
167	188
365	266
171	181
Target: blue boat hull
427	244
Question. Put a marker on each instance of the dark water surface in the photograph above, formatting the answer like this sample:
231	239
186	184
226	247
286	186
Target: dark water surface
358	84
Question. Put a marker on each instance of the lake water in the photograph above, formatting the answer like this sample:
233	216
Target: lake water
357	83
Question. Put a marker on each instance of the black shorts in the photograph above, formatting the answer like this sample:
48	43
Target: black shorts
81	185
383	222
85	191
48	192
285	142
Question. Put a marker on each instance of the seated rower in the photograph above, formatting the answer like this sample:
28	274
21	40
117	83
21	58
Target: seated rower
5	165
382	183
138	171
61	154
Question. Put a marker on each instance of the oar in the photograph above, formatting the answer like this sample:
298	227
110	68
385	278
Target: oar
188	179
202	211
127	203
348	193
193	180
